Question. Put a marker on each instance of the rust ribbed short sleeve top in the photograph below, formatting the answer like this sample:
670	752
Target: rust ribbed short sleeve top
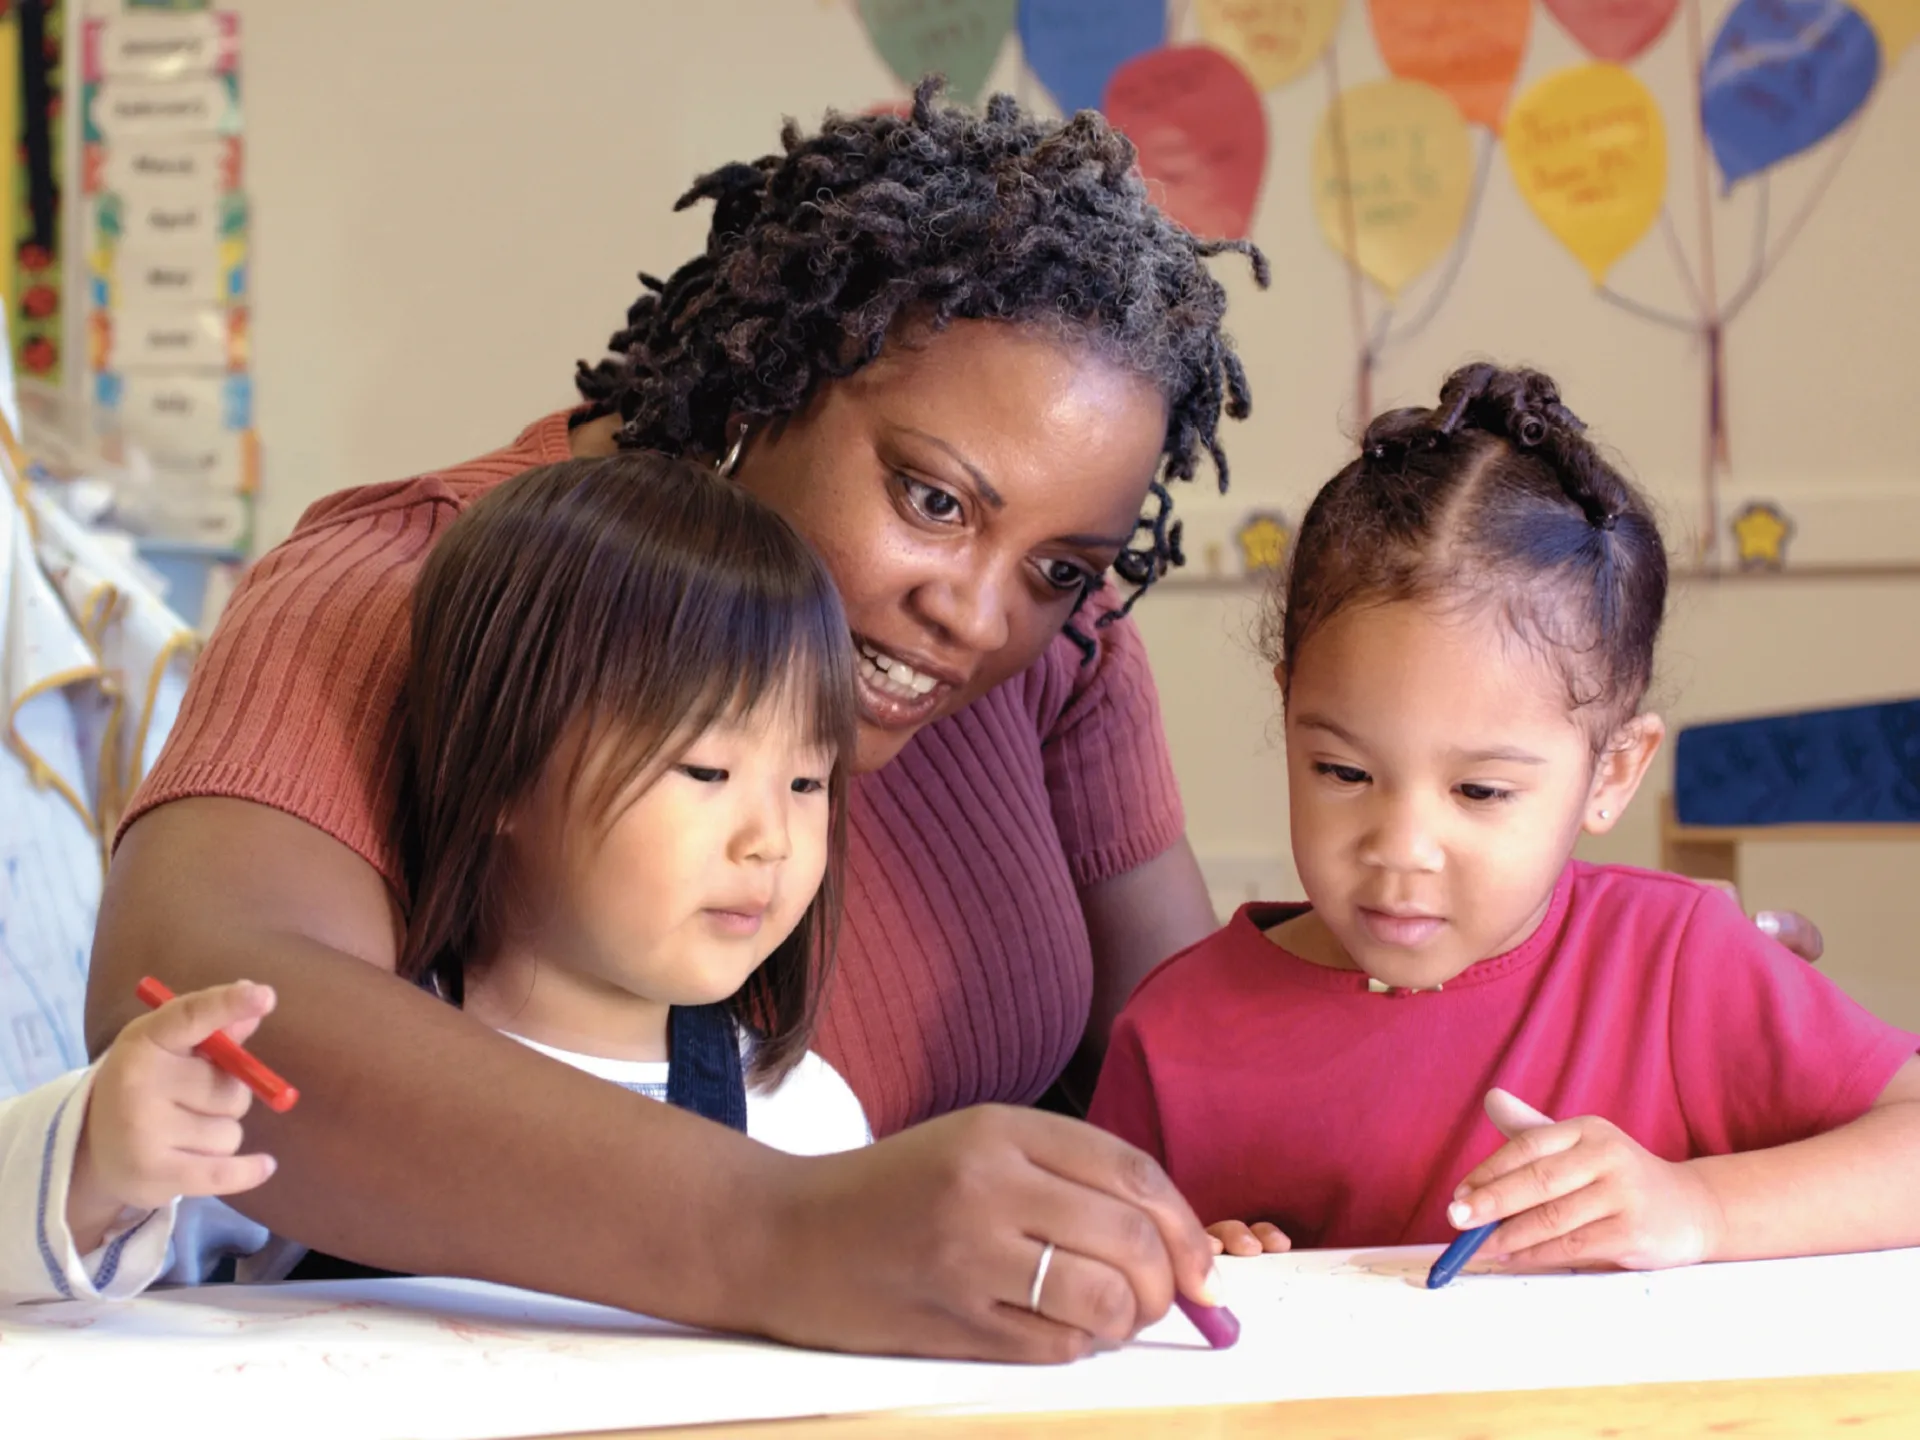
965	969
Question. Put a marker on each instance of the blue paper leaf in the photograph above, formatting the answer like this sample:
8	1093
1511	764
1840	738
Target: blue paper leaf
1781	77
1074	46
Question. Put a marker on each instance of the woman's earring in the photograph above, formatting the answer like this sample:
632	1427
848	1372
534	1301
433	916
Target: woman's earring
731	462
1606	814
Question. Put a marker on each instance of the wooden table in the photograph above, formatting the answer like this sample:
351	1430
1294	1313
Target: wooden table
1712	852
1863	1407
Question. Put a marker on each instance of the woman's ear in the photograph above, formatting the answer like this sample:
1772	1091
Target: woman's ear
1623	765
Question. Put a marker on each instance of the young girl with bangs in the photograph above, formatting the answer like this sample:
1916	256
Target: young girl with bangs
630	697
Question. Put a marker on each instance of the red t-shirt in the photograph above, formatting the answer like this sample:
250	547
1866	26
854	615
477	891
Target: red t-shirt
965	972
1275	1089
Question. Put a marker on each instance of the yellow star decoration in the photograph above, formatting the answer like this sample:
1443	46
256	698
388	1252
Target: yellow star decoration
1762	530
1263	538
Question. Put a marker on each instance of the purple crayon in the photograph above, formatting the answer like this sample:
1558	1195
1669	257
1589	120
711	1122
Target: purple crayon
1215	1322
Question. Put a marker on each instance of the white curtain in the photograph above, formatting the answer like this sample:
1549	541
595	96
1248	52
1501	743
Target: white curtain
93	666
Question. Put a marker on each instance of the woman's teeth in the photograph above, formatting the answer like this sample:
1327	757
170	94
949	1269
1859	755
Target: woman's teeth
891	676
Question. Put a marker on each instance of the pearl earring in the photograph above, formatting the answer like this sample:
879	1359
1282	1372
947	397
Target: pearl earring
1606	814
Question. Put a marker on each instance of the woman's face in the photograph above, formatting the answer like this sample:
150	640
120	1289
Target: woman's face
961	488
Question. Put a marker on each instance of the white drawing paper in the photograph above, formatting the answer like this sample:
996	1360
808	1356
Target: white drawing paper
457	1360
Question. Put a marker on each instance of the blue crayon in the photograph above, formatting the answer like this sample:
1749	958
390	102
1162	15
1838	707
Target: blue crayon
1456	1255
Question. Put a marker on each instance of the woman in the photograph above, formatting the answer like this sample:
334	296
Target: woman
959	353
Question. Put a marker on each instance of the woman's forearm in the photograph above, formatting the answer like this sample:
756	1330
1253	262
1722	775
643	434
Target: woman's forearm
424	1142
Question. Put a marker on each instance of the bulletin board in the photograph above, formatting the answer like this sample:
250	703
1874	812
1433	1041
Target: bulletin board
1668	163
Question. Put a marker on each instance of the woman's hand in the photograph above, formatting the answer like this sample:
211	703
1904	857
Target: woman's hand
1795	931
986	1190
1236	1237
1582	1192
1789	927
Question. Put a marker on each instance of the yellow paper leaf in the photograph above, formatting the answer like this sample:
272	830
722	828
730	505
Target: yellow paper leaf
1895	22
1589	155
1274	40
1392	166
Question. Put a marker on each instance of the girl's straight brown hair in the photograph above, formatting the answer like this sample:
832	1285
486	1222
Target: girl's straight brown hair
609	609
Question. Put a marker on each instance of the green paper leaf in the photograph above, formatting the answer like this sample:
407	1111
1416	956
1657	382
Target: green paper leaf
958	38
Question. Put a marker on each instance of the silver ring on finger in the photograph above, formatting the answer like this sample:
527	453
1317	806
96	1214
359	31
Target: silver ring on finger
1040	1277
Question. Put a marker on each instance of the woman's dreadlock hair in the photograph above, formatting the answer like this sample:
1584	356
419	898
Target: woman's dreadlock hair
817	254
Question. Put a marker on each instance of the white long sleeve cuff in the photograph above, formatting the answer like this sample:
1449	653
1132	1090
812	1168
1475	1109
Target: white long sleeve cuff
39	1135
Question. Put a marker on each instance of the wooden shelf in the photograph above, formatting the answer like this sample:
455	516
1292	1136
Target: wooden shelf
1712	852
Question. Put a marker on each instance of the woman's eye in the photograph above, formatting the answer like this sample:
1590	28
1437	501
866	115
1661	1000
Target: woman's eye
1484	794
1345	774
930	500
705	774
1065	575
806	785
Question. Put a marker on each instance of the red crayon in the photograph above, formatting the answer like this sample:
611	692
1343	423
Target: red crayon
223	1050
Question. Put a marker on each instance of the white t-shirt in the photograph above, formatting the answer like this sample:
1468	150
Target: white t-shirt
812	1111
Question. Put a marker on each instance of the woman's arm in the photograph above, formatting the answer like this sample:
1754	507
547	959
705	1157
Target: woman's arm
1135	920
424	1142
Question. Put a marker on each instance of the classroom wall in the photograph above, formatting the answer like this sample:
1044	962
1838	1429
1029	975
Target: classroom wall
451	200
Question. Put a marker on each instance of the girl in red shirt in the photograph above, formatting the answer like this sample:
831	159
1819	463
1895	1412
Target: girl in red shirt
1463	649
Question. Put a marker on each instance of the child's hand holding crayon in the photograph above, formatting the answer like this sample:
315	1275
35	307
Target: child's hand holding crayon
161	1121
1582	1193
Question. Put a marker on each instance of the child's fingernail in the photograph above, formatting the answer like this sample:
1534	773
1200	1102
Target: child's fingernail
1768	923
1460	1190
1461	1214
272	1165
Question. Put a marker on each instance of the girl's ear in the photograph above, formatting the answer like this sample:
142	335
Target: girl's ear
1623	765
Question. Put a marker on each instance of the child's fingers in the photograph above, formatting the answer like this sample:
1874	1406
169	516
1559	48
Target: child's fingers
240	1031
1234	1237
219	1094
1531	1182
1595	1244
204	1135
1526	1149
223	1174
1511	1115
1272	1239
1565	1223
1214	1241
192	1084
186	1020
